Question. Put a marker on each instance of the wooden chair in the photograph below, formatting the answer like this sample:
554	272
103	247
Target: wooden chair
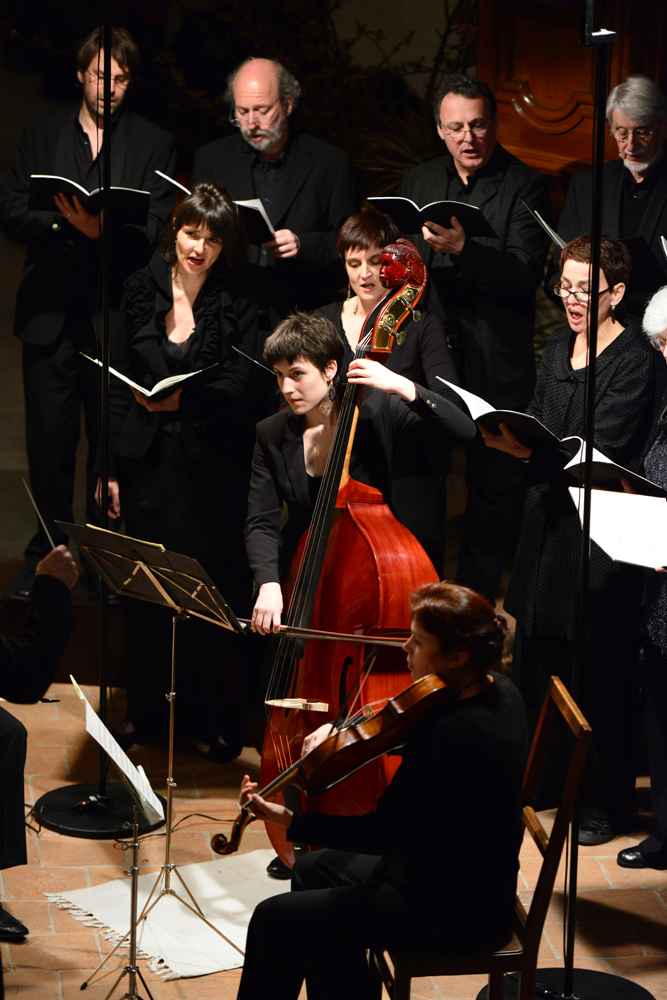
520	953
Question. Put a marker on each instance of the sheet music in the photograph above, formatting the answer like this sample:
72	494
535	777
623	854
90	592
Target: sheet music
476	405
628	527
150	803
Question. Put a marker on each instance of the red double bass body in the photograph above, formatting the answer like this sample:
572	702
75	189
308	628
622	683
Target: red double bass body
371	566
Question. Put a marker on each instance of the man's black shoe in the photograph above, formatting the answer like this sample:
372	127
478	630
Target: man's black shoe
11	929
632	857
278	869
595	827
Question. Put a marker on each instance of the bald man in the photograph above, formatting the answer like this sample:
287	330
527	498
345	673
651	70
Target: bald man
305	184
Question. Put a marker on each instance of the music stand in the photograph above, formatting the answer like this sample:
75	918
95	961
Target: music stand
146	570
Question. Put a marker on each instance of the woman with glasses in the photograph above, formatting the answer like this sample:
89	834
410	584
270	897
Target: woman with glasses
542	589
421	461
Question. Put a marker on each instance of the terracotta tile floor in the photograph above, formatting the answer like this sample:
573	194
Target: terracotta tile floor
622	924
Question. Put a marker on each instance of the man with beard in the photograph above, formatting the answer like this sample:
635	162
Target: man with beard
59	298
635	185
305	184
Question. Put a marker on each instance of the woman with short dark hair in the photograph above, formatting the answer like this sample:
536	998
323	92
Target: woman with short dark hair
181	464
421	463
542	590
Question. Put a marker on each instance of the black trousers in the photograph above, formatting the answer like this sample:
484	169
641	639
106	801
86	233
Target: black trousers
609	698
58	383
13	742
485	544
654	848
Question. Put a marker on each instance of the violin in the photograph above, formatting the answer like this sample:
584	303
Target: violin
349	749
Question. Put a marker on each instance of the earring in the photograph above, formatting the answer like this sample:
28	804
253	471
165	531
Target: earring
349	291
331	394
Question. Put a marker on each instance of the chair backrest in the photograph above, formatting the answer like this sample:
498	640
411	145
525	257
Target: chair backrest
557	699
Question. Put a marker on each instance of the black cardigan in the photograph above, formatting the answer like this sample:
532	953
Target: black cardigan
541	591
279	470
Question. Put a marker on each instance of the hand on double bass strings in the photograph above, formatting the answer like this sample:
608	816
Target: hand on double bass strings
113	491
267	610
364	372
270	812
318	736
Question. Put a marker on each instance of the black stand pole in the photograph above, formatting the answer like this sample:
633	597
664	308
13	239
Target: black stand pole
93	809
569	983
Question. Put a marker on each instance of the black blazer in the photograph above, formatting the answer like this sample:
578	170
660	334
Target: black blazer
279	469
486	294
317	195
62	264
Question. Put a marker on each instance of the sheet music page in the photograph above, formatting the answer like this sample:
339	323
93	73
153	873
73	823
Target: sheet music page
628	527
477	406
150	803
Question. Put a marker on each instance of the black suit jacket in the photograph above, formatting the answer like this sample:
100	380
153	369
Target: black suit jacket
279	470
486	294
61	269
317	195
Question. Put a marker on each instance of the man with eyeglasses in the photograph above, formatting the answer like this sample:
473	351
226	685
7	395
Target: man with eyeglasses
484	291
305	184
635	184
58	306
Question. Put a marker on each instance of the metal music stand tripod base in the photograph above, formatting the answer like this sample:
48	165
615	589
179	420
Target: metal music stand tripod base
146	570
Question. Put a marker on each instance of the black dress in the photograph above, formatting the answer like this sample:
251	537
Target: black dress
542	590
421	461
183	482
420	890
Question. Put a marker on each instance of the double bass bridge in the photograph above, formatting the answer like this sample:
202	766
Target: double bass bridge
301	704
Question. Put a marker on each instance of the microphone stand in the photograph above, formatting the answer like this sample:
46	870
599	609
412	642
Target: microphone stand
95	810
553	983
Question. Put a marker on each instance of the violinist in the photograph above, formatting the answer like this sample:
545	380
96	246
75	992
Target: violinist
431	874
293	445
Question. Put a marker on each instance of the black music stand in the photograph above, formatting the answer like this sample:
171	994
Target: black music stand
145	570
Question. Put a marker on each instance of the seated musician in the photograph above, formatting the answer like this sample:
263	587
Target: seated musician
433	875
306	353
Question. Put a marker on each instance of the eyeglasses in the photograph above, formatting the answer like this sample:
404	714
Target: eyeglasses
118	81
659	343
623	134
458	131
246	118
580	296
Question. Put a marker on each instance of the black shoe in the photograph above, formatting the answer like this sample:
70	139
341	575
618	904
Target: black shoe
11	929
595	827
278	869
125	740
632	857
223	753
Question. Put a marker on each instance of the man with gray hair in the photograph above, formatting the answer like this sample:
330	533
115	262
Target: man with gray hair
635	185
305	184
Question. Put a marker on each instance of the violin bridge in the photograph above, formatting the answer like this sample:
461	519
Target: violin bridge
302	704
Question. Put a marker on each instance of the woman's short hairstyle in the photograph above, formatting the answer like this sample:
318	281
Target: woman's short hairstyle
301	335
462	619
655	314
123	49
639	99
615	258
463	86
365	231
211	207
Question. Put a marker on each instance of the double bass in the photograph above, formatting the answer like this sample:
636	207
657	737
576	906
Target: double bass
353	572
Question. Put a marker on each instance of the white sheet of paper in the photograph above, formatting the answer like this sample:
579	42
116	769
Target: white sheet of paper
150	803
580	456
477	406
628	527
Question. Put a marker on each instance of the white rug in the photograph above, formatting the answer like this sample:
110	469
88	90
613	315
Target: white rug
177	942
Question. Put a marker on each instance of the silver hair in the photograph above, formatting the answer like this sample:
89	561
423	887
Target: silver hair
655	314
639	99
288	85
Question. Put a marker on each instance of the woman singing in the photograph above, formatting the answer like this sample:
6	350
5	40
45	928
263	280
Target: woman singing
422	870
182	464
292	446
542	589
421	461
